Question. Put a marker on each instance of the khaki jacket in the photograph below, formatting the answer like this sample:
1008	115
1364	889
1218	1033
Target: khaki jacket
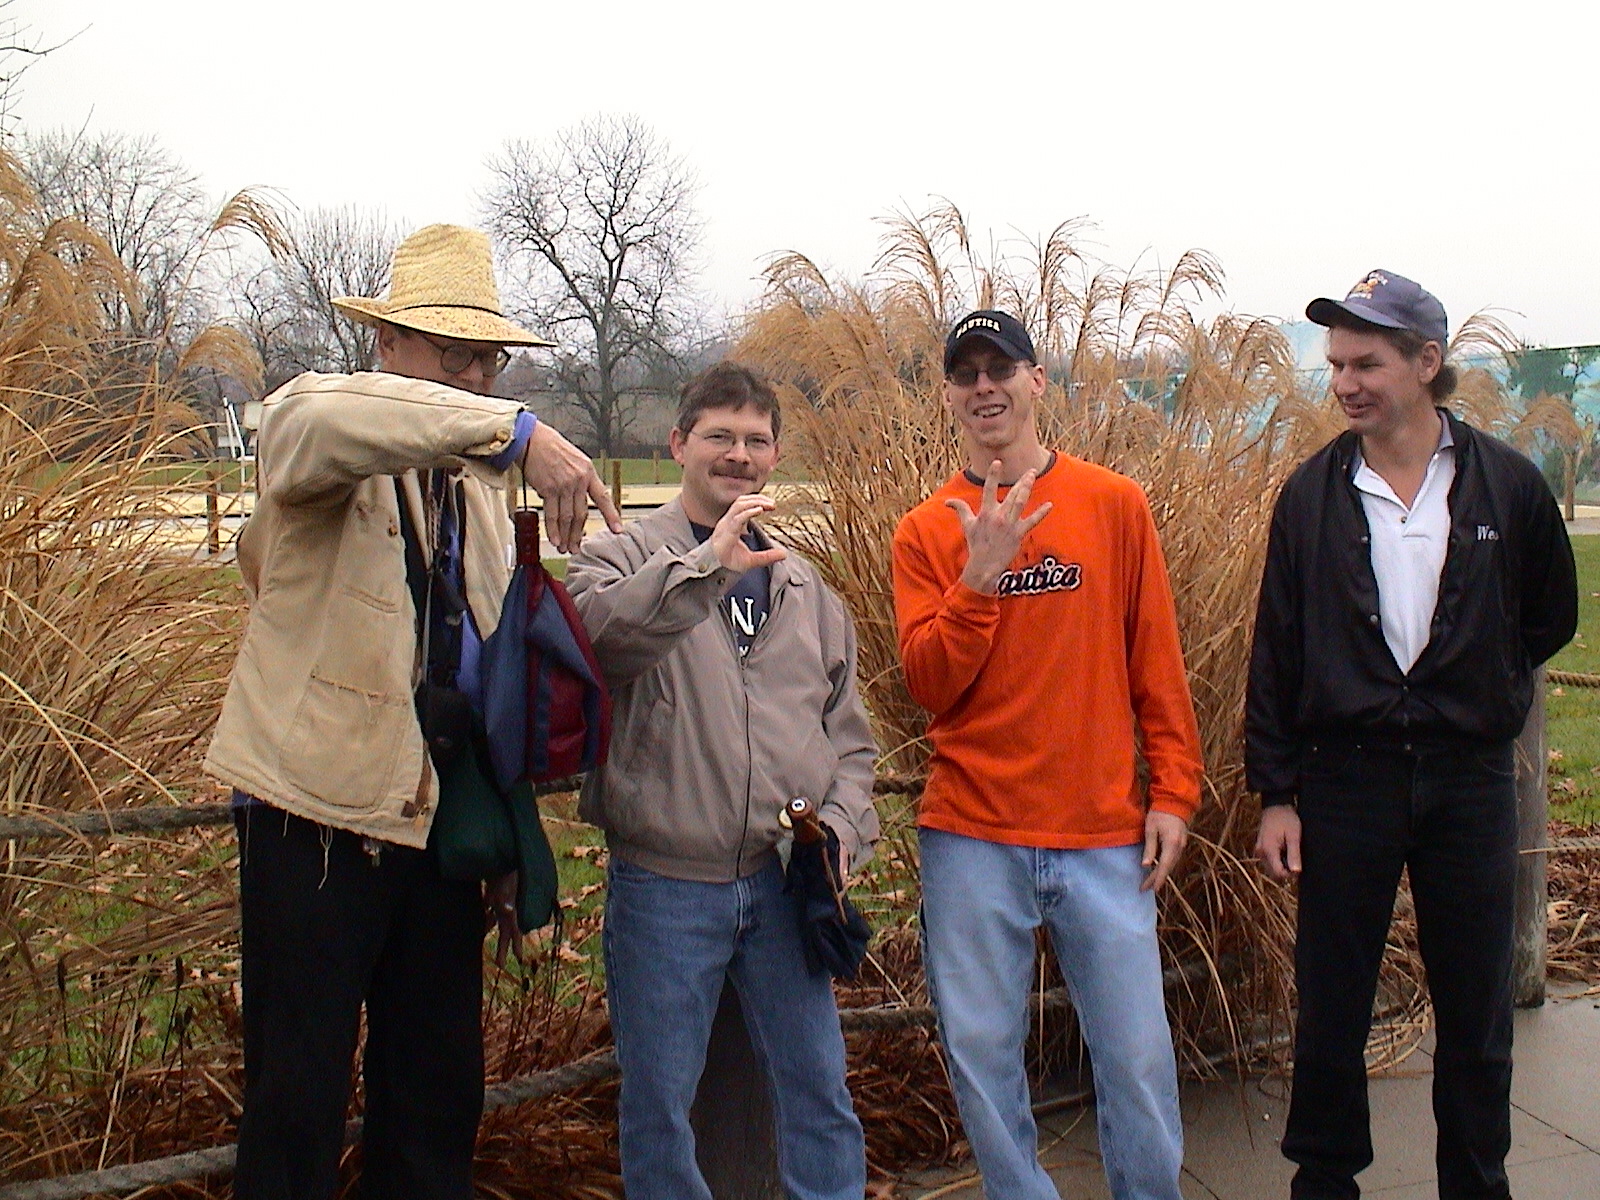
706	747
319	718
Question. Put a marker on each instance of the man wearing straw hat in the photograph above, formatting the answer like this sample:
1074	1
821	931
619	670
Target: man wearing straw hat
1044	641
343	902
1417	575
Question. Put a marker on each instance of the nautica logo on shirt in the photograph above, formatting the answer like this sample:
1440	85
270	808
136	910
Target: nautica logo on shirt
746	620
1049	574
1488	533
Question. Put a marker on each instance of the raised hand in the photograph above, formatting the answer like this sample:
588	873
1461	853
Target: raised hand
566	480
727	539
995	532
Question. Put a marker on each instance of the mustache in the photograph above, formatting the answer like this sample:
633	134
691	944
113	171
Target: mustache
733	473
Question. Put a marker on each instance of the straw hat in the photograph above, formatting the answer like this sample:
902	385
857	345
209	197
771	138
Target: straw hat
442	282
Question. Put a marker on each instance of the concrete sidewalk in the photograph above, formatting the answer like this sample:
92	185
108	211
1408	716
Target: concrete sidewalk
1232	1131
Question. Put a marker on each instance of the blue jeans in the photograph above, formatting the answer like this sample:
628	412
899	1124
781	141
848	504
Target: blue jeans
981	902
669	944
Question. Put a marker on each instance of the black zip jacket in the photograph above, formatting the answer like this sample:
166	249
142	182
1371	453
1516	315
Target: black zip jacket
1319	665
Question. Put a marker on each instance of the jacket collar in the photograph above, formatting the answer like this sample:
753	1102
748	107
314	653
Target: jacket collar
1348	444
671	523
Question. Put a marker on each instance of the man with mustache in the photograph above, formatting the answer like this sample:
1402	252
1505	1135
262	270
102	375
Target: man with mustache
1417	575
733	673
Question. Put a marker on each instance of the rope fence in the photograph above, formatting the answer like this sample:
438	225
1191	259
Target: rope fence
593	1068
150	818
1573	679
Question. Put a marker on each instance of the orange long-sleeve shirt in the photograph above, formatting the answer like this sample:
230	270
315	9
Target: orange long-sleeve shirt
1035	691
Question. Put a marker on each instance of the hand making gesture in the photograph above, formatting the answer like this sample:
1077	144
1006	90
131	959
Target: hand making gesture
727	539
567	481
995	531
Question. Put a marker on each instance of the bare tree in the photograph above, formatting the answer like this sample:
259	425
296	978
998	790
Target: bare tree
599	229
143	201
20	48
286	305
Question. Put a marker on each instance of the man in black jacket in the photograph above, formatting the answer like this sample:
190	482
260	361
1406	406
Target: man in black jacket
1417	575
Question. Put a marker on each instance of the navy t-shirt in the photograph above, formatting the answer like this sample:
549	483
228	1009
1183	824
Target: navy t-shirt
748	601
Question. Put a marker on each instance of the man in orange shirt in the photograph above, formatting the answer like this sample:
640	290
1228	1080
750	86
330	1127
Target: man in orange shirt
1039	637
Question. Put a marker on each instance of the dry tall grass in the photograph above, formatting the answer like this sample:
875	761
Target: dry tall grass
1208	416
119	1026
113	657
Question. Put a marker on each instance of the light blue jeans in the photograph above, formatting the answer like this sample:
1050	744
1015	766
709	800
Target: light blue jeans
669	944
981	902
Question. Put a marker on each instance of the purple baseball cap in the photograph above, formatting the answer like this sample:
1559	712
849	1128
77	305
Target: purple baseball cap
1390	300
998	328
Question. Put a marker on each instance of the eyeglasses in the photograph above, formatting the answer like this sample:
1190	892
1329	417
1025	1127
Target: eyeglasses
722	441
966	374
456	357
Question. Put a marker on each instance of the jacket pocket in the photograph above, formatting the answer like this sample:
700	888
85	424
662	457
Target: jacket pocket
344	743
815	767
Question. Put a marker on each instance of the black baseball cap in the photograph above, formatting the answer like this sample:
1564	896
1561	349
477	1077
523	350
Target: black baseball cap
1390	300
1001	329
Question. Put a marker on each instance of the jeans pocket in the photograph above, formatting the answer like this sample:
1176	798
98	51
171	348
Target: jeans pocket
1496	758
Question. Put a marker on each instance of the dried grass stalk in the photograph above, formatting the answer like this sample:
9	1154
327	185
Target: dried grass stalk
1209	417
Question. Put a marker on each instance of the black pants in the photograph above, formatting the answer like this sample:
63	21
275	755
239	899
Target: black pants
1447	813
326	928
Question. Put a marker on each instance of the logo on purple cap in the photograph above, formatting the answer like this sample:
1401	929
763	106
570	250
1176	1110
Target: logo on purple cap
1364	289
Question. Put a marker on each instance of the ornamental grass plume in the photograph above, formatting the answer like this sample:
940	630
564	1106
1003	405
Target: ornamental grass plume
115	958
119	1017
1208	416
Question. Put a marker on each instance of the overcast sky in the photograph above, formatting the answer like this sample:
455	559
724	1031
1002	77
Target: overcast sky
1301	144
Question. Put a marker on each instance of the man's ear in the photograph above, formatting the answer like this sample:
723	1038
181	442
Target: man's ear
675	440
387	336
1431	361
1040	379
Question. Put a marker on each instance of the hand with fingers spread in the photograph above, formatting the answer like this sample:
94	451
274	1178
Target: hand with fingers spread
1165	835
727	538
995	532
566	480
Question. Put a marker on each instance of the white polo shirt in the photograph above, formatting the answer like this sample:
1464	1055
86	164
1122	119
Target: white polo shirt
1408	547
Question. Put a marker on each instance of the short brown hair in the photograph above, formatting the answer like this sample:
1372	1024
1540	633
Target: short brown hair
727	385
1409	344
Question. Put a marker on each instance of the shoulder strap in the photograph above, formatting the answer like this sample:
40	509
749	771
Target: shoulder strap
416	567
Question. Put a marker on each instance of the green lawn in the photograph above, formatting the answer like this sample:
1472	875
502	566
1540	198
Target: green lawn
1573	713
636	471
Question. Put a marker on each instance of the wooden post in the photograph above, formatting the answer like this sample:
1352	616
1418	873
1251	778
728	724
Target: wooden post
1530	935
213	513
616	483
732	1114
655	465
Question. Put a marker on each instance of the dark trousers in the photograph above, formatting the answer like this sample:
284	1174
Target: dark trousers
1447	814
327	927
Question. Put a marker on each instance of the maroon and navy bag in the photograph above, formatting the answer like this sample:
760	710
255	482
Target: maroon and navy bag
546	706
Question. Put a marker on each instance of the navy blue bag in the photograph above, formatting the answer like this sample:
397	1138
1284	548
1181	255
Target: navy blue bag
545	702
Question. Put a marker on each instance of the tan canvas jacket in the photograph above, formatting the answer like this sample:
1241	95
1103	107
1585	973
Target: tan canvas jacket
319	718
706	747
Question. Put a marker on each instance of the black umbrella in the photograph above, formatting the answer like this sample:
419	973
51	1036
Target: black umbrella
834	934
